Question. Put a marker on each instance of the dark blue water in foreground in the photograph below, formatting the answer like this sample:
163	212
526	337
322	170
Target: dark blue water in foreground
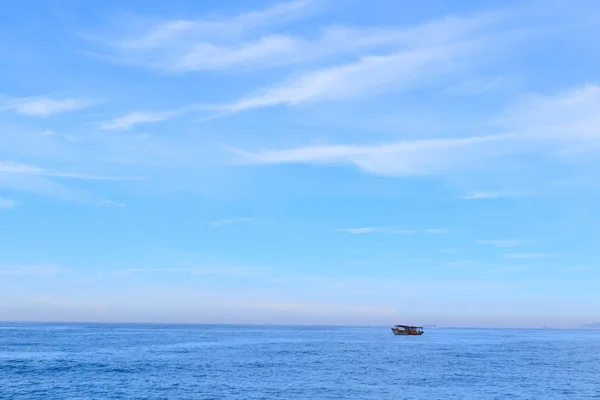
115	361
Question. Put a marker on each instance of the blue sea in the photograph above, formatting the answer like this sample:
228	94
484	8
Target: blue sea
149	361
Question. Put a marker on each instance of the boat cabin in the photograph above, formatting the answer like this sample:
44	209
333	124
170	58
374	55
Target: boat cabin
407	330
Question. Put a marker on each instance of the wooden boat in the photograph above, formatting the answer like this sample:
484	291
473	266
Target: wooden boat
407	330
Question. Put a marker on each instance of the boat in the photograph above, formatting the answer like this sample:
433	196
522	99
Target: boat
408	330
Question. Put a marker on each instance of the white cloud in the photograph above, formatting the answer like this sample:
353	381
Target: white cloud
225	271
479	85
483	195
570	116
248	40
506	269
9	167
43	106
281	49
369	75
135	118
553	126
72	175
357	231
435	231
462	263
403	231
42	270
408	158
527	255
200	44
165	33
7	204
19	168
372	229
29	178
504	242
383	60
229	221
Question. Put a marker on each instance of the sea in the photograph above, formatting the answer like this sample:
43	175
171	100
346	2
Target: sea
153	361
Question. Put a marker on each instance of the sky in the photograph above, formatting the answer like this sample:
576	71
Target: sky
303	162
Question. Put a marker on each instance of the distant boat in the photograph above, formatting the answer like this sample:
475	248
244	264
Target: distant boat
407	330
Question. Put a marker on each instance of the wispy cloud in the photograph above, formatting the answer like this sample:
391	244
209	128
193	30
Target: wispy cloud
253	39
528	255
461	263
472	86
42	106
26	270
225	271
373	229
358	231
369	75
383	60
435	231
408	158
7	204
33	179
505	242
554	126
228	221
483	195
570	116
505	269
72	175
135	118
165	33
179	45
10	167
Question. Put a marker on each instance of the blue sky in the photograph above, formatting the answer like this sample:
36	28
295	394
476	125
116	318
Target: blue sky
306	162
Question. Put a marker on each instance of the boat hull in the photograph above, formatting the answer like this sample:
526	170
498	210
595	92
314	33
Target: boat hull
399	332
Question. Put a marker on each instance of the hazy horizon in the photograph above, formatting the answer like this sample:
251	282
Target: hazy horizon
592	326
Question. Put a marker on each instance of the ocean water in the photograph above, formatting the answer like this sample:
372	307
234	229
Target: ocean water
121	361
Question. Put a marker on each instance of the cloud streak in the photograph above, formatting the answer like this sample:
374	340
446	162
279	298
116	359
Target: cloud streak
505	242
527	256
43	106
9	167
373	229
571	116
370	75
480	195
382	60
224	271
182	45
229	221
360	231
555	126
7	204
407	158
251	40
32	270
33	179
135	118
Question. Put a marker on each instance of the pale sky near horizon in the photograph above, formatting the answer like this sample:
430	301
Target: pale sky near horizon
301	162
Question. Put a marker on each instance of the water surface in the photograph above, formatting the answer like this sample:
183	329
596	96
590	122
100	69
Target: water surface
121	361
